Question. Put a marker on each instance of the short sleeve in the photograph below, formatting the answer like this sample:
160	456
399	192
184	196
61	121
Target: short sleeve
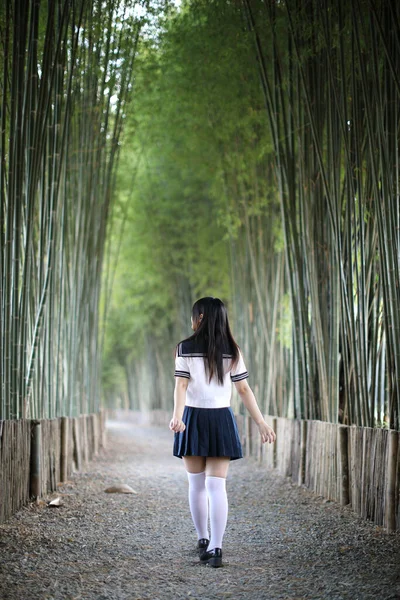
181	367
239	372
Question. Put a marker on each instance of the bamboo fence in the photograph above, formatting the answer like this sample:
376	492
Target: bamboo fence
354	465
15	442
37	455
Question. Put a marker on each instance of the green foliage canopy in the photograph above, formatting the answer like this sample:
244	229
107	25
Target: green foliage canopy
195	152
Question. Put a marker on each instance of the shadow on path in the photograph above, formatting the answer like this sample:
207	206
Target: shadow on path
281	540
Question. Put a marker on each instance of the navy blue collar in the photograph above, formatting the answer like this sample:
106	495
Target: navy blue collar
197	348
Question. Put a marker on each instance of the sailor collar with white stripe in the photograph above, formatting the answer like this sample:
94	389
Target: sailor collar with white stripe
195	348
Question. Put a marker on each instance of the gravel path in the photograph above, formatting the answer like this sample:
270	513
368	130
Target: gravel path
281	540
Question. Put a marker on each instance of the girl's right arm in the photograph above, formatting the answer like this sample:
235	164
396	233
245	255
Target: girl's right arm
176	423
246	394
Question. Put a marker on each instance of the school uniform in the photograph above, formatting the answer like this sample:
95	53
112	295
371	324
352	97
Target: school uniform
211	428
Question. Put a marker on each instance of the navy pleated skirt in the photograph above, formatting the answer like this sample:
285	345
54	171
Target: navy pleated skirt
209	432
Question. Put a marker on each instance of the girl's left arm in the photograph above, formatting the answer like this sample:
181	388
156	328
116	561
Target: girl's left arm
176	423
246	394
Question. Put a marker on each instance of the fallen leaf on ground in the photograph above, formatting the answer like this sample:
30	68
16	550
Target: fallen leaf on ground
122	488
56	502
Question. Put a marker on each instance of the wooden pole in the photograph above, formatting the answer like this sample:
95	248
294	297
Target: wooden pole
274	426
303	448
103	427
85	453
343	464
36	446
95	425
392	449
64	448
77	443
259	448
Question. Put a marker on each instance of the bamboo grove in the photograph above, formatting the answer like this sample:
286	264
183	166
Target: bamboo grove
66	69
265	142
332	98
245	149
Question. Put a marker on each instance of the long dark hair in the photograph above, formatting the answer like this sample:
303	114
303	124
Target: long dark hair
214	334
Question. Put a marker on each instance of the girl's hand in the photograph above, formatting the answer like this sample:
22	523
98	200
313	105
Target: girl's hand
266	432
177	425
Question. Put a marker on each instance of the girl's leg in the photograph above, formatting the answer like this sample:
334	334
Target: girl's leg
217	466
194	464
195	468
216	472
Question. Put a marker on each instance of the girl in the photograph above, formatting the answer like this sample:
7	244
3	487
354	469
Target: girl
206	435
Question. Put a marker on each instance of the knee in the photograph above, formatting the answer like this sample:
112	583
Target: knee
216	473
217	467
194	464
216	485
197	482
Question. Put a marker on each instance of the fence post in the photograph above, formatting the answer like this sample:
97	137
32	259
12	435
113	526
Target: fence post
392	449
274	450
85	450
64	448
36	463
343	431
303	450
95	429
76	424
103	427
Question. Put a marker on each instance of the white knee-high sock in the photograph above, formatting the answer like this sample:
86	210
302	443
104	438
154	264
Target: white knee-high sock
216	492
198	503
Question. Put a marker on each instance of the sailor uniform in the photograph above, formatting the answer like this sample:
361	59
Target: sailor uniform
211	428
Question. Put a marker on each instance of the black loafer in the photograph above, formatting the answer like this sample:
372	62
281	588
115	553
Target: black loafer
202	545
212	557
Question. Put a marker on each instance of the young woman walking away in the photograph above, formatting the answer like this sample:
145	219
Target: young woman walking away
206	435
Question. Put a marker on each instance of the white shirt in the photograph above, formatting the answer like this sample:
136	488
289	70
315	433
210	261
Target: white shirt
189	363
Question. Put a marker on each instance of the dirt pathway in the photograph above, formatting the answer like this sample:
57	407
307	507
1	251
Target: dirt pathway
281	541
